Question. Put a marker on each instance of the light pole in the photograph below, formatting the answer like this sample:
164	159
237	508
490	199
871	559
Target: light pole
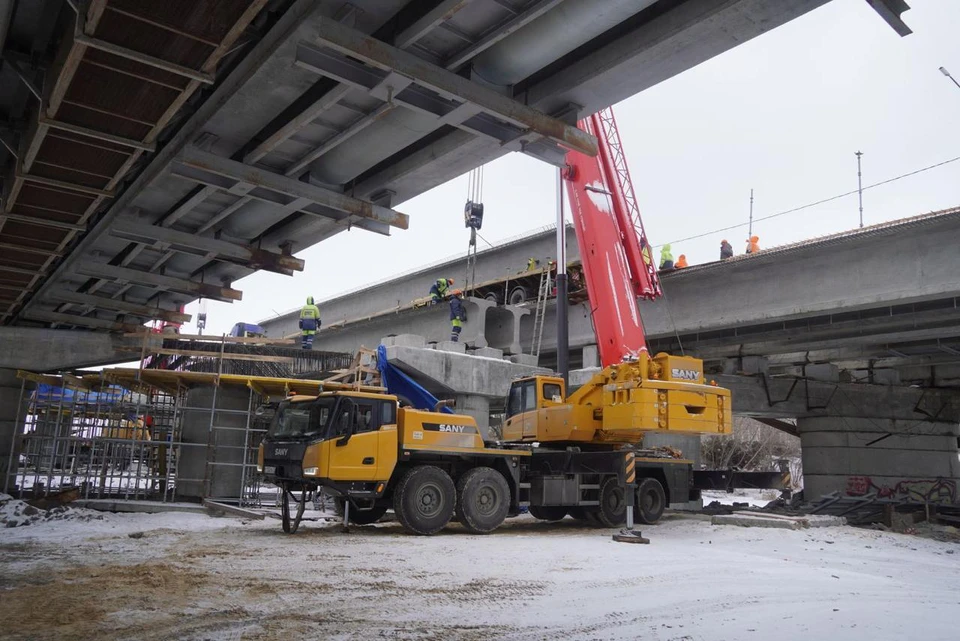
860	187
944	71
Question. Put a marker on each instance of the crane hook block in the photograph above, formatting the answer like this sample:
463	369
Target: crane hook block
473	215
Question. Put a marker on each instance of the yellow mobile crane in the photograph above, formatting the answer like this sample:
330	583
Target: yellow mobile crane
579	454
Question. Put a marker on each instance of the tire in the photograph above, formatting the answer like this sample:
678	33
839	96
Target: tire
424	500
592	517
493	297
483	499
518	295
613	503
651	501
548	512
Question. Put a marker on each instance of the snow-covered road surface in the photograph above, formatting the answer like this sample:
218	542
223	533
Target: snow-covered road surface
194	577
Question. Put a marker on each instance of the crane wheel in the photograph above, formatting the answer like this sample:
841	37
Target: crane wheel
483	499
548	512
613	503
424	500
651	501
518	295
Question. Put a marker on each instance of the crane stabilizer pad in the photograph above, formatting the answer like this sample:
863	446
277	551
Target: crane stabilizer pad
630	536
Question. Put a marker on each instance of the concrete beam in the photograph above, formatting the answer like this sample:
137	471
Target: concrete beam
374	52
164	238
447	373
49	350
77	320
103	302
203	161
125	274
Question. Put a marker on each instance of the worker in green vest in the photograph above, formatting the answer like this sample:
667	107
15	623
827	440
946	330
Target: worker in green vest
309	323
666	257
438	291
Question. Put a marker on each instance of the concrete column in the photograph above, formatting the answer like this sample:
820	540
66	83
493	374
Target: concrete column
891	457
591	356
474	332
12	412
479	408
195	479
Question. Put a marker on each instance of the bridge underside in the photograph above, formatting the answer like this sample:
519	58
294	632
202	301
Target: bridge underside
157	152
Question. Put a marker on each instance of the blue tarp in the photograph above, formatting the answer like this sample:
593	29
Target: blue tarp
52	393
404	387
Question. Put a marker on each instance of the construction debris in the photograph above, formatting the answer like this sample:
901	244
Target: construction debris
761	519
15	513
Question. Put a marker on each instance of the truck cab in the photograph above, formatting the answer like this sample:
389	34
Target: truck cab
347	441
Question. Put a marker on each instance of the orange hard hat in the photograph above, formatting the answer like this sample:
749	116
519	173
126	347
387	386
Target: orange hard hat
723	242
457	292
450	281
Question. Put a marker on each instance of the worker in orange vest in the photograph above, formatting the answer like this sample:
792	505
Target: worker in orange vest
753	245
682	262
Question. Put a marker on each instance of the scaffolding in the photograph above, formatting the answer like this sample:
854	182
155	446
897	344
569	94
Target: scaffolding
155	434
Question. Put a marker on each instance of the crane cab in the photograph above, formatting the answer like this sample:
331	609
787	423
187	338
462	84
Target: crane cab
537	410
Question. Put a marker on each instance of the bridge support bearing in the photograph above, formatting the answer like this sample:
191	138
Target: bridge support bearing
914	459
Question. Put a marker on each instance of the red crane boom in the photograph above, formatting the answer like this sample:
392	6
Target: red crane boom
617	259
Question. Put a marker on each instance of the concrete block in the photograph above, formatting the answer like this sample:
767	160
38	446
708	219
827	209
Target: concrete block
450	346
488	352
525	359
591	356
755	521
823	520
822	372
578	377
404	340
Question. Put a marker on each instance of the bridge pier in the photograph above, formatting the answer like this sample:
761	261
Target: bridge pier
14	398
893	457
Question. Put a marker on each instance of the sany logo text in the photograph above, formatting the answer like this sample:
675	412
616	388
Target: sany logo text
685	374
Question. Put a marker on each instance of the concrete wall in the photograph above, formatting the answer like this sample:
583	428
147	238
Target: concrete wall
891	457
11	409
46	350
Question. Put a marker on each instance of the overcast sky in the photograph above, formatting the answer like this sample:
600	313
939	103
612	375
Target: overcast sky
782	114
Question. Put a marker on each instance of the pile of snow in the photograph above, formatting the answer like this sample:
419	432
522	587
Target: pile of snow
14	513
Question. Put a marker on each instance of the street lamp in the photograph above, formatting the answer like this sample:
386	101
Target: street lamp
944	71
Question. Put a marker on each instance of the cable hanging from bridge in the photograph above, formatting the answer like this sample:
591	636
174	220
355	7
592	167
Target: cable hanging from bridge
819	202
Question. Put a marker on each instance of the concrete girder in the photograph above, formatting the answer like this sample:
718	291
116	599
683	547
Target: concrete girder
134	309
126	274
207	163
790	397
503	328
466	116
440	13
163	238
356	44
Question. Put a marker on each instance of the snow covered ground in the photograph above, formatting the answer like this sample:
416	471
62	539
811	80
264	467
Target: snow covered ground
189	576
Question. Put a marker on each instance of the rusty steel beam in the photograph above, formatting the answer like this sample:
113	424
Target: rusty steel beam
86	131
142	58
81	321
194	158
29	250
42	222
163	238
18	270
147	279
135	309
60	184
377	53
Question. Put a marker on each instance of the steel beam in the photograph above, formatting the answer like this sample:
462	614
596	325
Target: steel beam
142	58
86	131
135	309
81	321
163	238
42	222
374	52
147	279
208	162
517	22
50	182
440	13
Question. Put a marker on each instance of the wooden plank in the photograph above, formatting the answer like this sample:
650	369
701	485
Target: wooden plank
226	356
226	339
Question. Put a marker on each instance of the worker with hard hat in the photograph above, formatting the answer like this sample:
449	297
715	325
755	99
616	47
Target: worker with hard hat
532	264
666	257
458	315
682	262
726	250
309	323
753	245
438	291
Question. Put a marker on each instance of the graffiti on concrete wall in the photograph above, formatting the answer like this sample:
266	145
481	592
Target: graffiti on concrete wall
921	490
